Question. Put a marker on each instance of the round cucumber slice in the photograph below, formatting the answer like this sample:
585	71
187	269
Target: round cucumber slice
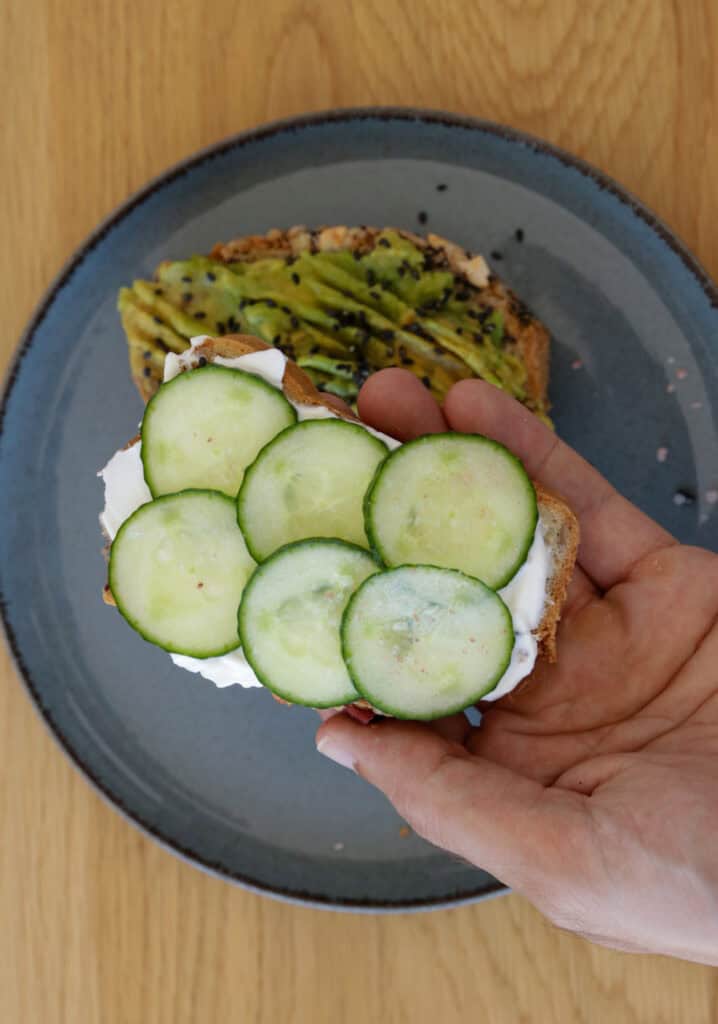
290	615
202	429
177	569
422	642
310	481
457	501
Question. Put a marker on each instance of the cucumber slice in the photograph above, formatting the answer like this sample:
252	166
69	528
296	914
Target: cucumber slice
458	501
290	615
202	429
177	569
422	642
310	481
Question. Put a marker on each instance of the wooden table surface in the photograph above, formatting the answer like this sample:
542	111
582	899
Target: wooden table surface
97	923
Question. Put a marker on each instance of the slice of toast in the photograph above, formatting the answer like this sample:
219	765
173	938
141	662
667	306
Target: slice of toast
161	316
560	524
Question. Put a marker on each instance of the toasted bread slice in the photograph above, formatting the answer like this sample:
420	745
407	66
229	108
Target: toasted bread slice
161	316
560	524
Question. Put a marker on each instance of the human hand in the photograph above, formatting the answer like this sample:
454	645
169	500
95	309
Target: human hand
593	789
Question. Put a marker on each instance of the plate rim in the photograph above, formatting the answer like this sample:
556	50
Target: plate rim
267	130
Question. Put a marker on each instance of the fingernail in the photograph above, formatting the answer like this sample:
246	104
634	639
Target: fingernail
336	752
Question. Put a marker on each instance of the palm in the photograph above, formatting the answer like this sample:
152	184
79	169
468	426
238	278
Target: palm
620	685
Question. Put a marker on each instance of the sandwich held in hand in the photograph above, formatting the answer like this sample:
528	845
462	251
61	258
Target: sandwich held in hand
261	536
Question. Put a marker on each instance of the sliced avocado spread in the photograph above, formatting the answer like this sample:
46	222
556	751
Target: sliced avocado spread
339	314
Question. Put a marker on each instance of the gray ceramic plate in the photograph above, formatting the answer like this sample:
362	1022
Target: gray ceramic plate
229	778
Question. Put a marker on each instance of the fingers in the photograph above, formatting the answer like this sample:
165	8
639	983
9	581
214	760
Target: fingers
396	402
455	729
614	533
503	822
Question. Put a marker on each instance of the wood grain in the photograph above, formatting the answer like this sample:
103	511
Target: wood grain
97	923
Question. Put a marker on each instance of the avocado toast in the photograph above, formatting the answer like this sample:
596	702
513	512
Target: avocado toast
343	302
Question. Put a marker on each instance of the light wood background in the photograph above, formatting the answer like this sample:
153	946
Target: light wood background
97	924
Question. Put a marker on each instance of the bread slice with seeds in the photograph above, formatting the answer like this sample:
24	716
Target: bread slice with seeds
343	302
560	525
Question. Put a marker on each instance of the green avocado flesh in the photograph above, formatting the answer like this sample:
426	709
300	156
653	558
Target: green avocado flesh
339	315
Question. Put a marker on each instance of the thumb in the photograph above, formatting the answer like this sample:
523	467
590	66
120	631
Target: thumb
503	822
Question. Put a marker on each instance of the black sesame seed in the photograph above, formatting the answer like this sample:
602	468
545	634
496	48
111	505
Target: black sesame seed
478	337
158	291
422	216
221	327
187	279
376	296
276	339
415	273
295	277
463	296
186	296
519	234
147	354
418	330
294	322
199	316
387	334
459	330
496	255
232	324
405	361
271	303
370	278
441	188
313	350
385	242
344	366
286	309
202	361
211	276
156	319
426	381
243	303
402	271
147	371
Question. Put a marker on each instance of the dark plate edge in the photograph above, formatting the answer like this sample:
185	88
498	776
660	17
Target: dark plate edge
291	124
